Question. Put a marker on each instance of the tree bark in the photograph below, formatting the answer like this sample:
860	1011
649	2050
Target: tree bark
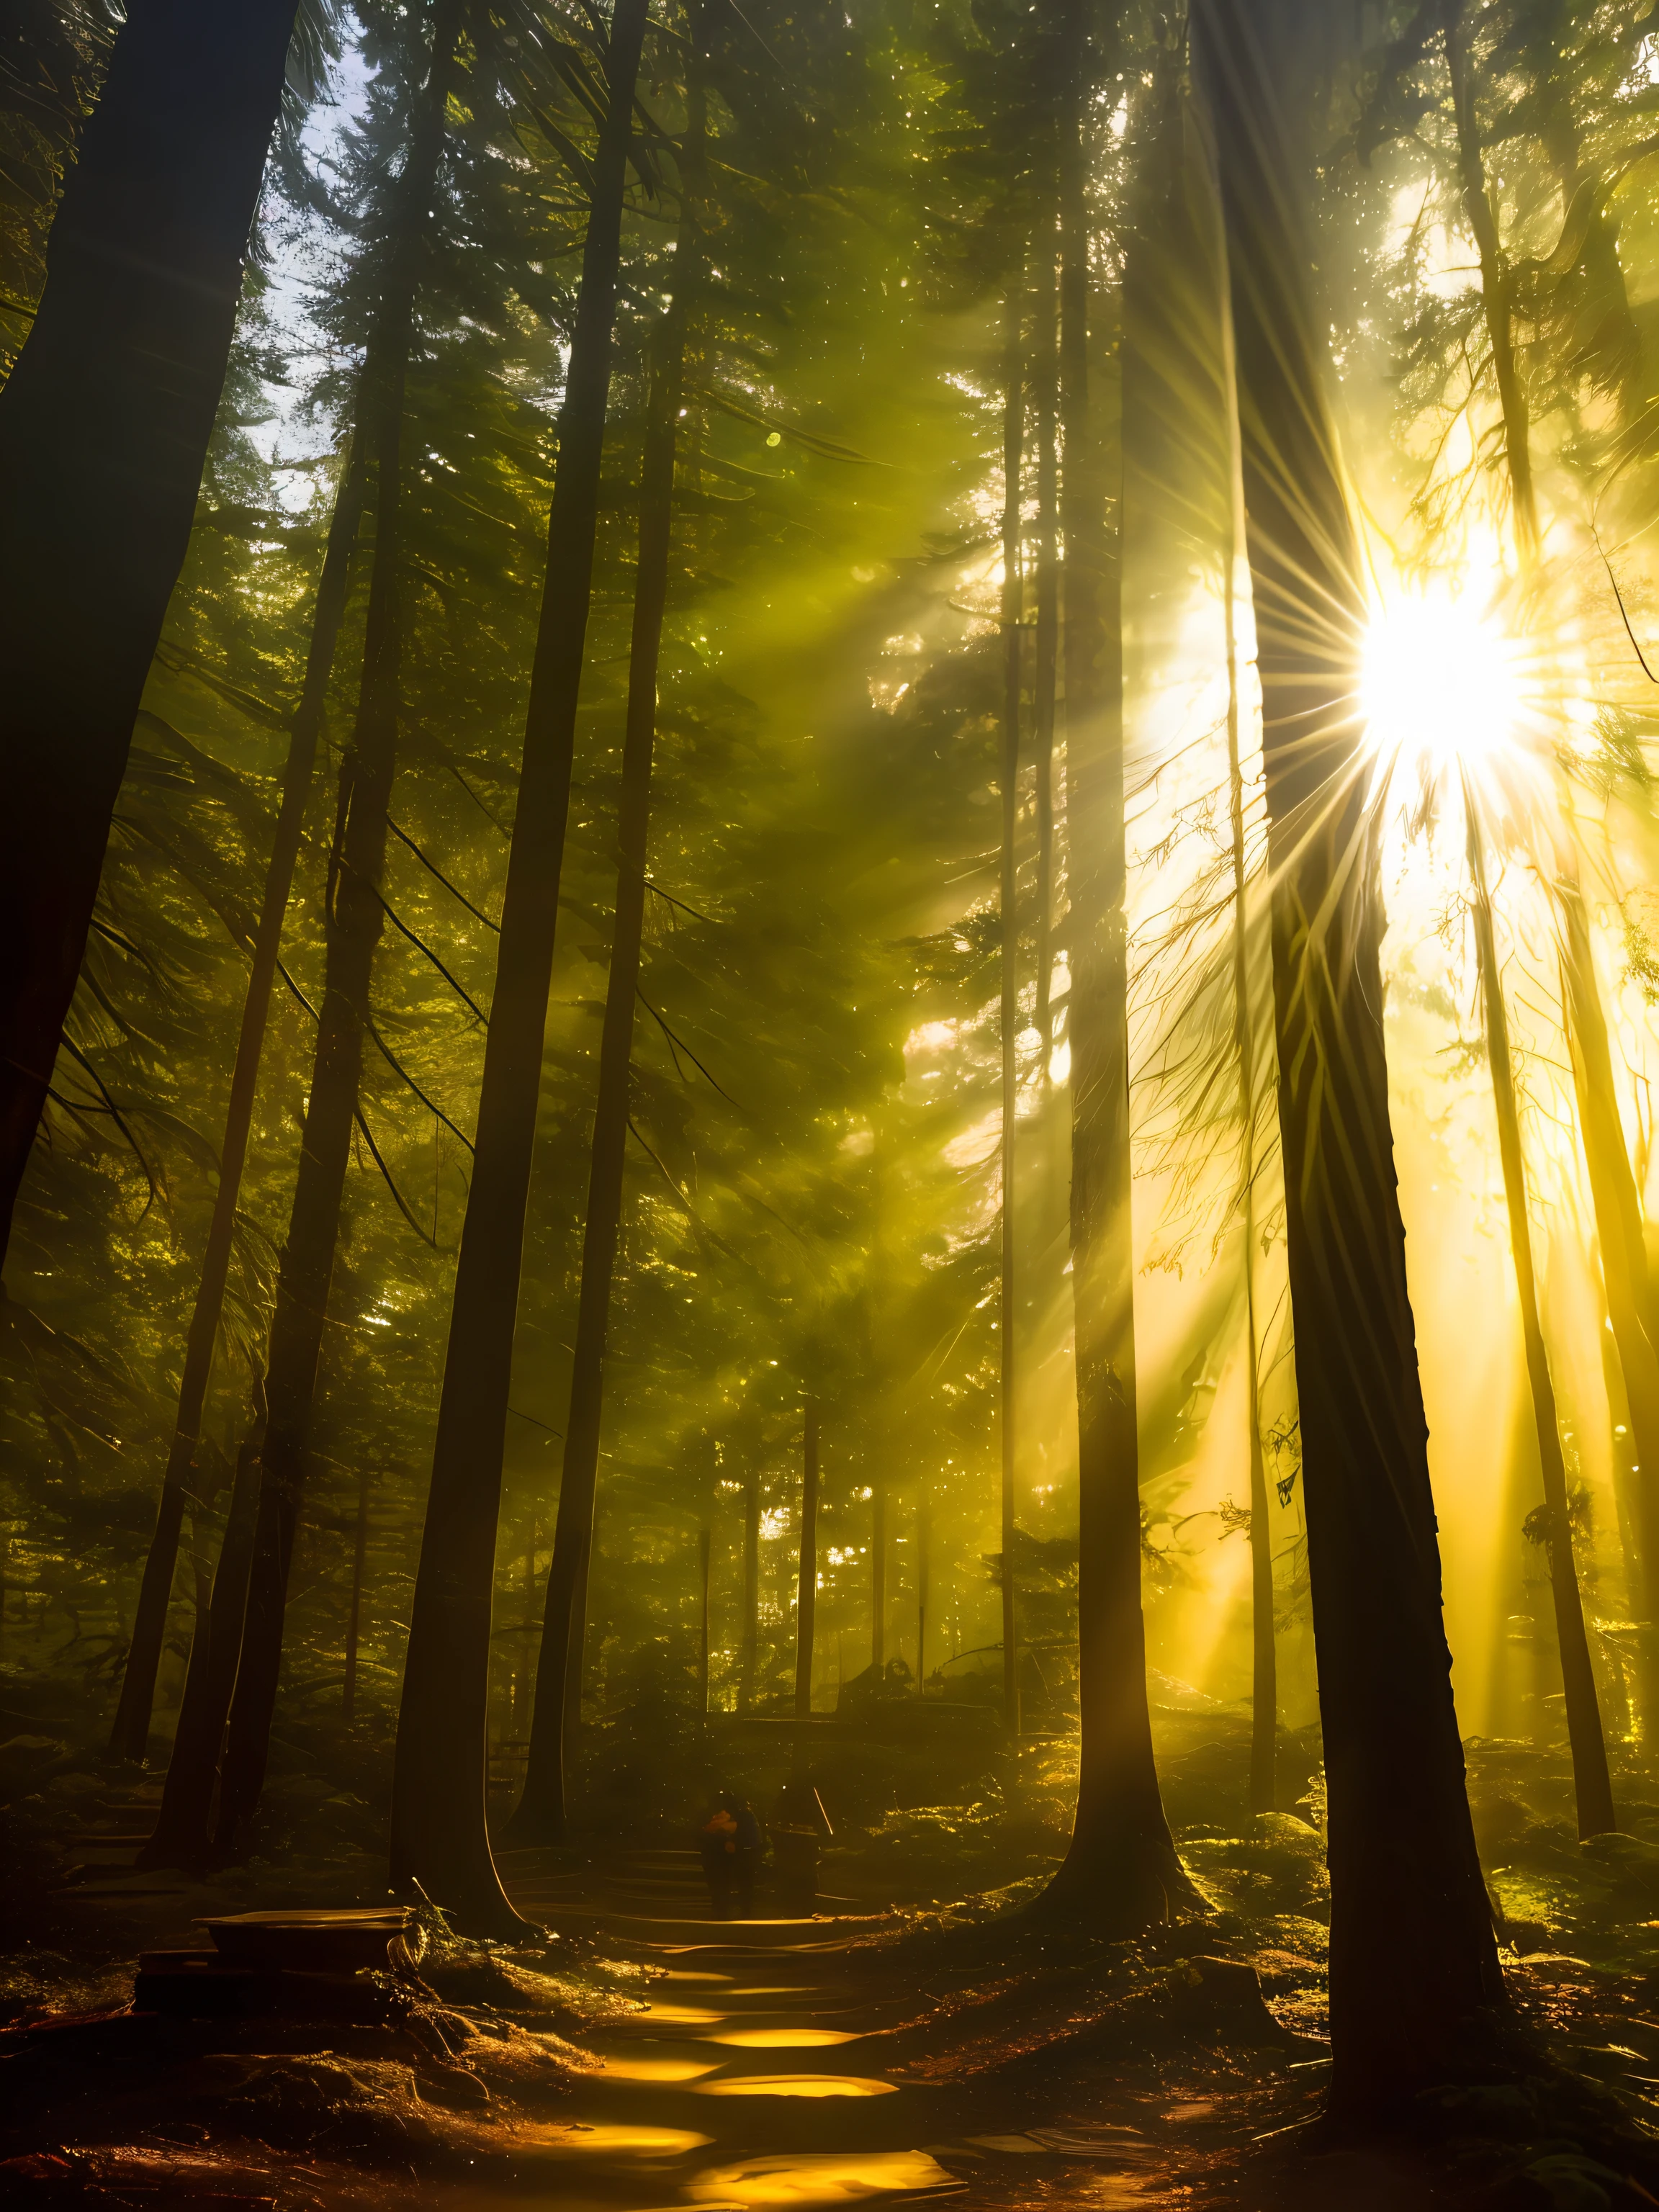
1626	1467
541	1814
182	1836
1618	1211
1120	1871
353	933
1415	1988
806	1596
1046	658
130	1735
879	1574
1013	435
704	1547
355	1615
1592	1783
440	1833
1264	1657
104	427
924	1566
749	1642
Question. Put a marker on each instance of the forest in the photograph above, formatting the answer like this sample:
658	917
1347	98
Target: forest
830	1345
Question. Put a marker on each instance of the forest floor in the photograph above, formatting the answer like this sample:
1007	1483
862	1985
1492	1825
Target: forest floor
886	2049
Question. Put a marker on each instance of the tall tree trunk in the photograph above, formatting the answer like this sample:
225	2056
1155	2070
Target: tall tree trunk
1013	659
1613	1189
924	1566
806	1588
130	1735
1494	287
355	1614
1045	394
1626	1467
879	1574
541	1814
104	427
1617	1207
1414	1979
439	1831
1592	1785
1264	1658
353	933
705	1545
183	1827
1120	1871
748	1640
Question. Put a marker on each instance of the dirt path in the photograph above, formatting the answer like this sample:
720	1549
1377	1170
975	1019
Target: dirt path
772	2066
762	2073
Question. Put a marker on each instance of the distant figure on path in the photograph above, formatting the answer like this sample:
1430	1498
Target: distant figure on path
731	1846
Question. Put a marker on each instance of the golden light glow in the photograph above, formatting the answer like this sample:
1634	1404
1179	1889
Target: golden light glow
1440	684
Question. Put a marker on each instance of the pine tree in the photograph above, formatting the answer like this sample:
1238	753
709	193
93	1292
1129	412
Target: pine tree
108	414
1121	1870
1415	1982
439	1837
357	911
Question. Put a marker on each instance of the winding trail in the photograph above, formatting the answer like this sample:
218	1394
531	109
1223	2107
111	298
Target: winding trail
756	2078
763	2073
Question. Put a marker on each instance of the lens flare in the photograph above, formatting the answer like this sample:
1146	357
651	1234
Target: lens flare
1440	684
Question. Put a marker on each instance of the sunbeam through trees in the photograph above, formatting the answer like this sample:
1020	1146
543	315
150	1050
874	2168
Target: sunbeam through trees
830	1354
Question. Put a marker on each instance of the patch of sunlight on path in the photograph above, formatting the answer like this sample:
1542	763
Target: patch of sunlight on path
580	2139
781	2039
819	2177
796	2085
623	2066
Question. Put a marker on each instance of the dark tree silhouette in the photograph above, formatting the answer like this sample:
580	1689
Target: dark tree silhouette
439	1833
355	922
130	1735
540	1816
1121	1870
1415	1986
103	426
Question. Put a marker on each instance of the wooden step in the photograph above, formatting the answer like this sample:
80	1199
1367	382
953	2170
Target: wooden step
317	1941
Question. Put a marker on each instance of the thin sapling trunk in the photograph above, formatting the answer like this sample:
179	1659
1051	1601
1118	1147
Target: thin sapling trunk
749	1647
354	1614
1046	656
806	1593
1013	431
1592	1783
1264	1658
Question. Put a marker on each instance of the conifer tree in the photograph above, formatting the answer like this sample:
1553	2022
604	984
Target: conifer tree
1446	31
1012	615
439	1837
1415	1982
540	1816
130	1735
1592	1783
1121	1870
104	425
357	910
